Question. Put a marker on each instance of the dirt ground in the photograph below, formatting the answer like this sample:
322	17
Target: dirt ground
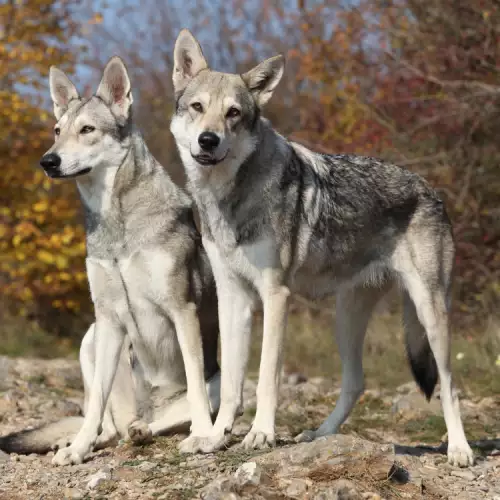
391	447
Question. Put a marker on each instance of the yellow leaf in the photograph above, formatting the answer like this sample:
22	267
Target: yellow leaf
16	241
97	19
62	262
26	294
66	238
80	276
45	257
41	206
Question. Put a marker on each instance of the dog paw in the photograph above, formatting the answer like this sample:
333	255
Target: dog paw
460	456
61	443
256	440
68	456
140	433
203	444
306	437
194	444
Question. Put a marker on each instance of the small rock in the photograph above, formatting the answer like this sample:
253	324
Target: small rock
147	466
296	488
346	490
96	479
341	490
464	474
296	378
221	488
248	473
73	493
4	457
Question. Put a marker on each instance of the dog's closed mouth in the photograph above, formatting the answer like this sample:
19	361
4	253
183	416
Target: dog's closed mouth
208	160
59	175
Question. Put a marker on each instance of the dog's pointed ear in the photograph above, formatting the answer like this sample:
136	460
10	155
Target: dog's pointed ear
188	60
263	79
115	89
62	91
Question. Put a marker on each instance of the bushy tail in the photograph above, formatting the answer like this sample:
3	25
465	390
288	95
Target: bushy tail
422	361
42	439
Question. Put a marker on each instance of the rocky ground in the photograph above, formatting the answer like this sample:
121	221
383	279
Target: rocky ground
389	448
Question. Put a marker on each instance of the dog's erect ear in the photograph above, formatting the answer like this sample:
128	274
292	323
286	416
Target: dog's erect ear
263	79
114	89
62	91
188	60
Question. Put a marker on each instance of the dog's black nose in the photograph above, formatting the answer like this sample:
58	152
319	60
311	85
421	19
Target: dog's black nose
208	141
50	162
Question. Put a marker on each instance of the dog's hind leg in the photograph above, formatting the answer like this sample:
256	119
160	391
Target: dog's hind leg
175	415
122	408
109	338
427	281
354	308
87	366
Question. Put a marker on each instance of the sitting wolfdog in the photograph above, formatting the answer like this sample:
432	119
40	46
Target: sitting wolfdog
150	282
278	218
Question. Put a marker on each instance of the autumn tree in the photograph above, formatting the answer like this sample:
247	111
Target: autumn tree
42	241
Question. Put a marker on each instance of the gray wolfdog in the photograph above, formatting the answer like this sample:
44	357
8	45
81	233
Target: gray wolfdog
150	282
278	218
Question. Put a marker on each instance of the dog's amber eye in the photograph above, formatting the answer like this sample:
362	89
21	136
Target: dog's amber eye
57	131
87	129
233	113
197	107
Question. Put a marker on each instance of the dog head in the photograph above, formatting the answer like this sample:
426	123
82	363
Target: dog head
90	133
217	114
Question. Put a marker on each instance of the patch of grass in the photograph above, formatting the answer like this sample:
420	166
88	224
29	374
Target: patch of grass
248	414
132	463
428	430
182	494
175	458
37	379
106	487
476	430
20	337
231	459
295	422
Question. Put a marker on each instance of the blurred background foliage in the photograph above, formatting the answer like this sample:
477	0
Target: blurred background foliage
413	81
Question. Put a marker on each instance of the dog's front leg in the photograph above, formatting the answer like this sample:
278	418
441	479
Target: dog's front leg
109	338
188	333
235	305
275	303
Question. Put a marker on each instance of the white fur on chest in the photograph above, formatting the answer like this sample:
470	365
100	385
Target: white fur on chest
138	291
97	188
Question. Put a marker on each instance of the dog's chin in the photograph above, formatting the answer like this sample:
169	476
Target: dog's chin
61	175
207	160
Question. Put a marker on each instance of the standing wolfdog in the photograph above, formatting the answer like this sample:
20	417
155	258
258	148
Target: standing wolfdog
278	218
150	280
